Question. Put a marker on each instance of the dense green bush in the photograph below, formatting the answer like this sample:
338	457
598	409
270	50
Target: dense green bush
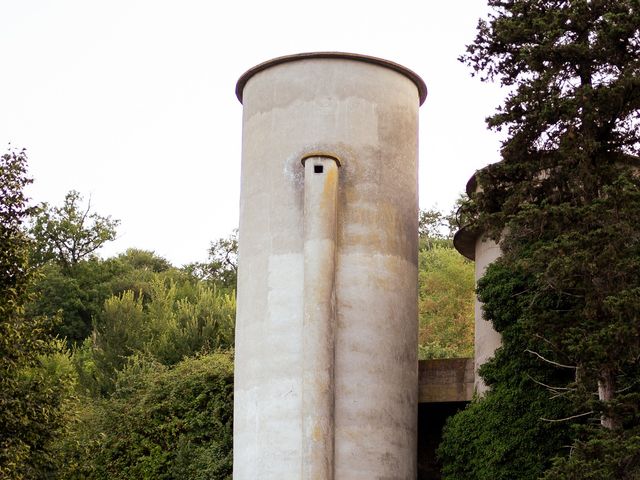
167	328
511	432
501	437
161	423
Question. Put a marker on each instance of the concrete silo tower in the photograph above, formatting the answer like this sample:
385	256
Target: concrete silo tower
326	339
483	251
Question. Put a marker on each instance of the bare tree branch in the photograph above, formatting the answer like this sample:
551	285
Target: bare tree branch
554	389
550	361
566	418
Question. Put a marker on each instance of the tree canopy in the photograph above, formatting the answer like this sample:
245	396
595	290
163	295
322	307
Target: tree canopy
70	233
30	397
564	204
221	266
143	386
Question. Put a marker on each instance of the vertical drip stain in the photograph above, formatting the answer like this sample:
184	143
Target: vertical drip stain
318	388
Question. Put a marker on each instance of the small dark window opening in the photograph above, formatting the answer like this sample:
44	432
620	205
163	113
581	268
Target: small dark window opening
318	169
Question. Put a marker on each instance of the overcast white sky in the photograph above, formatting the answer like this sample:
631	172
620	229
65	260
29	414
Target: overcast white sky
132	102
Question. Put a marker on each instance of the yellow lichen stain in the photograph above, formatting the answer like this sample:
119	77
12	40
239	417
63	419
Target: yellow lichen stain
317	433
329	191
381	228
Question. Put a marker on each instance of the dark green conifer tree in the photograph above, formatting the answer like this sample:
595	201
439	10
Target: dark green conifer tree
565	204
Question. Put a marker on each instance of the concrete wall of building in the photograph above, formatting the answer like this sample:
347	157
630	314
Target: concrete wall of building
472	245
487	340
445	380
365	114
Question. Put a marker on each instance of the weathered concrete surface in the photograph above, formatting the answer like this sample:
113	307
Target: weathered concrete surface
446	380
320	226
445	387
487	340
366	115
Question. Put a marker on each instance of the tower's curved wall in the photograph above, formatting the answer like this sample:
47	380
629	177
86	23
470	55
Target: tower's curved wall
483	251
364	113
487	340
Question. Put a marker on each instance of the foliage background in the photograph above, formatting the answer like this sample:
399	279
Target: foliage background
122	368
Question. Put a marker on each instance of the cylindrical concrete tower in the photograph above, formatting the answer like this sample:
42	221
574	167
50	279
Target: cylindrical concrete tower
326	336
483	251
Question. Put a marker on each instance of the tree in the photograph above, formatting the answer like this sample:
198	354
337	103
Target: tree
144	260
564	204
222	264
431	224
14	212
73	282
436	227
445	303
70	233
30	401
76	297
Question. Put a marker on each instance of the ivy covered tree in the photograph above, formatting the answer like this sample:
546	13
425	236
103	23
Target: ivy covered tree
564	203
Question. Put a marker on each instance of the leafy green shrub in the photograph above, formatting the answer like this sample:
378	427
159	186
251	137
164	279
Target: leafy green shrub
160	423
512	432
167	328
501	437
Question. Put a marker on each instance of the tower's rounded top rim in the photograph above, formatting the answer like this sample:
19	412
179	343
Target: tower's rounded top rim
410	74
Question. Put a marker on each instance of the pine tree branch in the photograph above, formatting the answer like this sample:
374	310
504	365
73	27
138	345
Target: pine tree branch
566	418
558	395
550	361
627	388
554	389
